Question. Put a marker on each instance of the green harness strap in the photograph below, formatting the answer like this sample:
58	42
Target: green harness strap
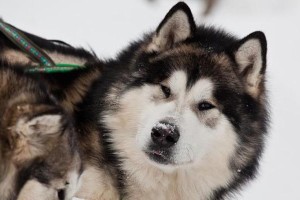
46	64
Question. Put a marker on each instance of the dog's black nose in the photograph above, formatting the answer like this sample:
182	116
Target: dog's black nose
165	134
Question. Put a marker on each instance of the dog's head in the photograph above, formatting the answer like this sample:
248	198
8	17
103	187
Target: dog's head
195	96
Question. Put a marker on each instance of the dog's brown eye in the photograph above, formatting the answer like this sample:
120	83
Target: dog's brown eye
205	106
166	91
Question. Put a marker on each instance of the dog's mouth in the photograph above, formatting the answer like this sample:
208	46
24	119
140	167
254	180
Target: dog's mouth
160	156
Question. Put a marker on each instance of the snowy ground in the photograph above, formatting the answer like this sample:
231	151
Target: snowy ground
108	26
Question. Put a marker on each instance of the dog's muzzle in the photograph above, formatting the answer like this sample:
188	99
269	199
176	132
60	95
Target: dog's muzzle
165	134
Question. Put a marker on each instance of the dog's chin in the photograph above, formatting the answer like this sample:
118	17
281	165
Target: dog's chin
163	160
160	161
160	157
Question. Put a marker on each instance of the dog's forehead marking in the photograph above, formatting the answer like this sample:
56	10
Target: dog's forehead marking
202	89
177	82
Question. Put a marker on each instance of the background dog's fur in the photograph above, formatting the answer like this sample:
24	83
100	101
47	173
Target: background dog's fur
37	139
74	85
69	90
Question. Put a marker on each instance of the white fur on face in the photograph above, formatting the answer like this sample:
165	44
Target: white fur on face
196	136
142	108
159	110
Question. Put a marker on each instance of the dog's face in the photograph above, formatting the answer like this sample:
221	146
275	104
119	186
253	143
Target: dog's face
177	117
188	103
180	124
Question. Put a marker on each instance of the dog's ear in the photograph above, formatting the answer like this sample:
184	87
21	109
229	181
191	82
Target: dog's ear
250	56
39	126
177	26
31	120
35	136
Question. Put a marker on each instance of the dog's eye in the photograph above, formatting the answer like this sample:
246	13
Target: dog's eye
166	91
205	106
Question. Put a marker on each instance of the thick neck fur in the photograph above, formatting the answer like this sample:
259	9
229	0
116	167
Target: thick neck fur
148	181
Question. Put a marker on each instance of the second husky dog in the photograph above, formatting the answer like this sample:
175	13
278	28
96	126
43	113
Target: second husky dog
69	91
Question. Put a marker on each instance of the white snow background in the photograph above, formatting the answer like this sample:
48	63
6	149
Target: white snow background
109	25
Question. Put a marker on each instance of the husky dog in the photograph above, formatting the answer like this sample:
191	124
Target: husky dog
182	113
37	141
